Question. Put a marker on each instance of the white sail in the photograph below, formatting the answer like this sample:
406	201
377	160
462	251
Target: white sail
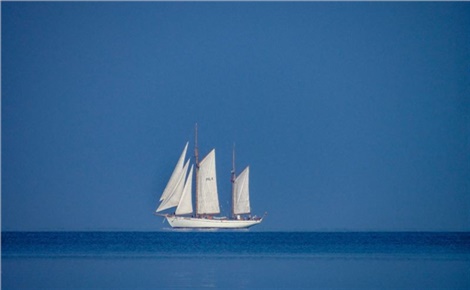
170	187
185	206
207	196
241	193
174	197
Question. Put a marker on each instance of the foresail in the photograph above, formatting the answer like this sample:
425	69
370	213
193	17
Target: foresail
174	197
207	196
185	206
241	192
170	187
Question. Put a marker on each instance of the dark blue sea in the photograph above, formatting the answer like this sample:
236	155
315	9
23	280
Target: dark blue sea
237	259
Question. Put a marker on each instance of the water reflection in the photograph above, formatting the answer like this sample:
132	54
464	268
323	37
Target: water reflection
318	273
235	260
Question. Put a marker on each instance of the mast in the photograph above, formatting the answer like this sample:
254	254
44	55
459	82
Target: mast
233	180
196	158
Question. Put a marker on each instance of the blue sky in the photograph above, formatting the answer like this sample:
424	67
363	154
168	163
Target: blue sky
352	116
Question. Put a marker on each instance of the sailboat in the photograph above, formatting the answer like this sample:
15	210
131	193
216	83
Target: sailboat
178	193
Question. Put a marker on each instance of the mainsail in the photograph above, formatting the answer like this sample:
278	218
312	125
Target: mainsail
241	193
207	196
172	183
185	205
174	197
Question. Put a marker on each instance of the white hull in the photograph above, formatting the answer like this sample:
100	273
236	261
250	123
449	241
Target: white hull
190	222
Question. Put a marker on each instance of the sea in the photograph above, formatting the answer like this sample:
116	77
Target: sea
235	260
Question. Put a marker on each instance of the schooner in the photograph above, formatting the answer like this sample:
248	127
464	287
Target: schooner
178	193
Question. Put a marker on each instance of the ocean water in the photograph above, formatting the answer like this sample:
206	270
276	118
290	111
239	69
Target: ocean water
235	259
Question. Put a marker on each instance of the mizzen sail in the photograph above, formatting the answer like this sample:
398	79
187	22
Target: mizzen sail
241	193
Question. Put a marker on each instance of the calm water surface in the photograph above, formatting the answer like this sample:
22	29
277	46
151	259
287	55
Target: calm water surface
240	259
